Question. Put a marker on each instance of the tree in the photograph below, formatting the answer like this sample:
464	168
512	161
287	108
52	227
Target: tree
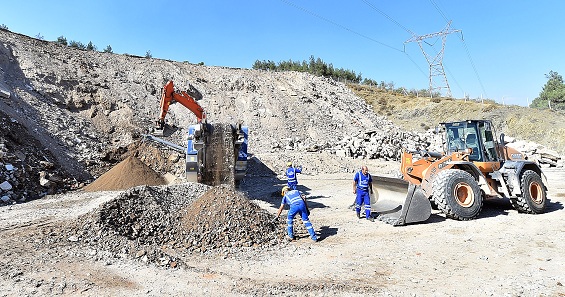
3	27
90	46
108	49
39	36
61	40
148	55
77	44
552	95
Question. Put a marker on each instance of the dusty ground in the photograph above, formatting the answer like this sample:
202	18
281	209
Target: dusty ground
502	253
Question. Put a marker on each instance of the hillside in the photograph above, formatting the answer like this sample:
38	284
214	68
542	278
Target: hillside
69	115
545	127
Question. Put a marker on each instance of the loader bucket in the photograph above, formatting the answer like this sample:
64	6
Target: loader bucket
398	202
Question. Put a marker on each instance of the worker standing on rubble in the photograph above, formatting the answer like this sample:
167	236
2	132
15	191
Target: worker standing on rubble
362	186
291	172
295	199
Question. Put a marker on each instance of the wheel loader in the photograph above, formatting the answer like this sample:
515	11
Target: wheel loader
473	167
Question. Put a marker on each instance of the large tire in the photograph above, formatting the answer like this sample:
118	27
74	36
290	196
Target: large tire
457	194
533	198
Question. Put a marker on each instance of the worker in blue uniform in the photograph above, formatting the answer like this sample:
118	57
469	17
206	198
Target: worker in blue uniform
298	205
362	186
291	172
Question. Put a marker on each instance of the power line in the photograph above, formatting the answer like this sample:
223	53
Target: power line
473	64
388	17
439	10
339	25
399	25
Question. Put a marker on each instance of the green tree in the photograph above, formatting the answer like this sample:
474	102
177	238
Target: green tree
39	36
90	46
61	40
108	49
3	27
77	44
148	55
552	95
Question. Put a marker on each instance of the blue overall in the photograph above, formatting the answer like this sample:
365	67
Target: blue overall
363	197
297	206
291	177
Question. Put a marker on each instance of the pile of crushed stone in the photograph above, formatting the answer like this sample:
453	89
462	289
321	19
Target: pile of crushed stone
157	223
223	218
129	173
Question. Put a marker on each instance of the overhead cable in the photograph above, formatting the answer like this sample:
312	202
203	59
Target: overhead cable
339	25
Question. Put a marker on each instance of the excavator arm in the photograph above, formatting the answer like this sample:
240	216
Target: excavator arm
170	96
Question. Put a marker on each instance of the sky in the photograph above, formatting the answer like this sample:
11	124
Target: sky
502	51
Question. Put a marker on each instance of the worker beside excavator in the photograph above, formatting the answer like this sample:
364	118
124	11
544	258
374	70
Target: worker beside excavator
362	186
291	172
295	199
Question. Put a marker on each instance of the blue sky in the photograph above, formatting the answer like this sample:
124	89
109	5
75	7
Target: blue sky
504	51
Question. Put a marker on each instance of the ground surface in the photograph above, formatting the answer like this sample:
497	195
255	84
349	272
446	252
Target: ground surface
502	253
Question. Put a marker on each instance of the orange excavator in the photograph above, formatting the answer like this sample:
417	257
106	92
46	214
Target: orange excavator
170	96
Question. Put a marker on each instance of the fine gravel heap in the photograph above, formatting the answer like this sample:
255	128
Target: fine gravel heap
129	173
154	224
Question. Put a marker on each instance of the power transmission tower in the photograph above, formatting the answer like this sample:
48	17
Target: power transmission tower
436	62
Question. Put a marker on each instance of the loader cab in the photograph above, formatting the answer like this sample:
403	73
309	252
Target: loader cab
476	135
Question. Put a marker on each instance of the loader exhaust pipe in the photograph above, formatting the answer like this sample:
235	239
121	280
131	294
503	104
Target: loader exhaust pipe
398	202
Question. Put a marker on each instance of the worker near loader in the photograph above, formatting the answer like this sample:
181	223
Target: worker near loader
295	199
362	186
291	172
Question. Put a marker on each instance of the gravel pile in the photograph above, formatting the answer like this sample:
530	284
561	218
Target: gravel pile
153	224
226	219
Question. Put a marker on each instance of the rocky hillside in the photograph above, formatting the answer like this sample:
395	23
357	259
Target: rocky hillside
87	109
69	115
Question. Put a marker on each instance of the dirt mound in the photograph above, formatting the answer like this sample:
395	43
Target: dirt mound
129	173
224	218
156	224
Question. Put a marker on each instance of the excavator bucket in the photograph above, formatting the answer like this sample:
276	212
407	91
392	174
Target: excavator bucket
398	202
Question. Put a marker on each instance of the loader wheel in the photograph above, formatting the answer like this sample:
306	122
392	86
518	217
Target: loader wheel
533	198
457	194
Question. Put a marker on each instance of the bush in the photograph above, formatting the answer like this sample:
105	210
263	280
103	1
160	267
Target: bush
61	40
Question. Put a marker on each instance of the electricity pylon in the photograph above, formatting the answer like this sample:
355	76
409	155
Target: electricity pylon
436	62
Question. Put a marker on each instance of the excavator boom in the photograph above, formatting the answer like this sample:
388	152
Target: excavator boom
170	96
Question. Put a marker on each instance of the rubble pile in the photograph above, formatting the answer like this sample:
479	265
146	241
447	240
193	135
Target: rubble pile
136	223
226	219
27	170
384	144
154	223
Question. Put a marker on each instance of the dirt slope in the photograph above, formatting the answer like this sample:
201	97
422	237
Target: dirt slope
540	126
